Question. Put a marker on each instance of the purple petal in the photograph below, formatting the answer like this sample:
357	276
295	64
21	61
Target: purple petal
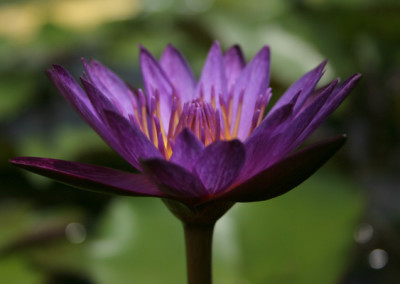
81	103
254	81
94	178
101	104
282	139
99	101
133	141
263	139
212	78
333	102
179	73
72	92
286	174
111	86
186	149
173	179
234	63
155	80
305	85
292	130
220	164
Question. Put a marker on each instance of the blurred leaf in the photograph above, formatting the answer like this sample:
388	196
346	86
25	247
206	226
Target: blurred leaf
15	93
138	240
304	236
17	270
30	237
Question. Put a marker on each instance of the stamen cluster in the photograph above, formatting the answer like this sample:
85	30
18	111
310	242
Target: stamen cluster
209	121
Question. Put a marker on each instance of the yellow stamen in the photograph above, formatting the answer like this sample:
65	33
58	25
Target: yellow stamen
260	117
144	120
213	99
226	130
171	129
237	120
230	109
238	113
154	133
137	116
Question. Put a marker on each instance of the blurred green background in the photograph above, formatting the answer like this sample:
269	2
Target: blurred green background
341	226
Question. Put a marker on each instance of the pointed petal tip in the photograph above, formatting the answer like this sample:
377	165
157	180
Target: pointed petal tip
264	54
84	80
216	44
60	72
171	47
16	160
143	50
235	50
356	76
350	82
266	49
58	68
26	162
235	47
321	66
49	72
215	49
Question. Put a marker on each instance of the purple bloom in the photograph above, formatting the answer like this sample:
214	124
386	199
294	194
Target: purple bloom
199	142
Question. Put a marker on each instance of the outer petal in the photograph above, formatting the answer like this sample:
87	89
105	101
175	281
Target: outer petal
284	137
73	93
187	148
179	73
299	122
305	85
99	101
101	105
94	178
220	164
213	76
254	81
234	63
333	102
111	86
131	139
286	174
155	80
263	139
173	179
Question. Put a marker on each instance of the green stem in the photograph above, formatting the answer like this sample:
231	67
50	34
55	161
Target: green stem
199	252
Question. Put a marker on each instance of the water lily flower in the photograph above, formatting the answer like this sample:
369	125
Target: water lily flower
200	145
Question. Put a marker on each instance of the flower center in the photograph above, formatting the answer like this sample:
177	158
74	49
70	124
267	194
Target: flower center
206	120
201	118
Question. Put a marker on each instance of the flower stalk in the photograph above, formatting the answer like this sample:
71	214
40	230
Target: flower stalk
198	238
